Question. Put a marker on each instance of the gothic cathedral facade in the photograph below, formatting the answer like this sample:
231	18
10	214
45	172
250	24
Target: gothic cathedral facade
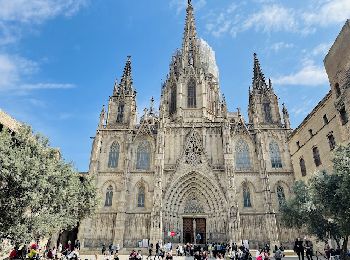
191	167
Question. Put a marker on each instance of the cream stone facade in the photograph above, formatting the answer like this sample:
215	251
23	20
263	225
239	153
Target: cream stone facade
8	121
192	166
312	143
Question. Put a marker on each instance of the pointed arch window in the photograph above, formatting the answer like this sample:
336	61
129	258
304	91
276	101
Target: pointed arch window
141	197
120	115
113	156
246	196
143	156
109	196
275	155
267	112
302	167
281	197
242	155
191	94
316	155
172	108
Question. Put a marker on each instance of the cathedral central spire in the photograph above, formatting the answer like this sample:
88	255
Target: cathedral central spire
190	34
259	82
126	84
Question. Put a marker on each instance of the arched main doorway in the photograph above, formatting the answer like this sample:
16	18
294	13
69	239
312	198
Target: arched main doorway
195	210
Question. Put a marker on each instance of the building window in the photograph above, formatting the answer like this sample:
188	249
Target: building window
246	196
109	196
280	195
343	116
337	89
331	141
325	120
298	144
120	115
267	112
191	94
316	155
310	132
302	167
172	108
141	197
143	156
242	155
276	161
113	156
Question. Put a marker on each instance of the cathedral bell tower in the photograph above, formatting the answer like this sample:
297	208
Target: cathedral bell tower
191	91
263	102
122	104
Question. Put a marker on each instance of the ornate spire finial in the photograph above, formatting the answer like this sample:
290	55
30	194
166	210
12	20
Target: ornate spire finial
151	108
258	76
102	117
115	87
126	82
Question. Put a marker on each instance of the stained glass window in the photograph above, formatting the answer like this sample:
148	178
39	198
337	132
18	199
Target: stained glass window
275	155
113	156
172	108
191	94
120	114
267	112
143	156
141	197
242	155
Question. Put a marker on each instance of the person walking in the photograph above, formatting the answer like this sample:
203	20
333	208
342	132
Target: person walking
309	249
150	250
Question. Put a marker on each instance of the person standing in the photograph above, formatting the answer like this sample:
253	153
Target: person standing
308	249
77	244
278	254
299	248
327	250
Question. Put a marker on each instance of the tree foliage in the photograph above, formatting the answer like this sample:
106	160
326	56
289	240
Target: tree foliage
40	193
322	205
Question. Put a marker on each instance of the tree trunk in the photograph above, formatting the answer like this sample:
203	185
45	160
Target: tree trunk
344	251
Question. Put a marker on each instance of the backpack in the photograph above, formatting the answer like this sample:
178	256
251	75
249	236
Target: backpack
278	254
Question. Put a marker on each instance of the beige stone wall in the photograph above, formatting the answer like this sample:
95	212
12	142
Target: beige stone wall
319	139
337	64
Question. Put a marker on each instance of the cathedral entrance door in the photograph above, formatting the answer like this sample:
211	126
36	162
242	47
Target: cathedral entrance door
194	230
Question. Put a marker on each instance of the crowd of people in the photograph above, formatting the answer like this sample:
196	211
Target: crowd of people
304	247
35	252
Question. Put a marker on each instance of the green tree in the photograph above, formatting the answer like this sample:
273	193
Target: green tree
322	206
40	194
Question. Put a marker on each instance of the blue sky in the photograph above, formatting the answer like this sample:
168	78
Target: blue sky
59	58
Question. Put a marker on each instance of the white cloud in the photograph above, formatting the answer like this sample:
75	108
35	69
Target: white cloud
309	75
328	12
281	45
37	11
271	18
321	49
17	16
15	70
